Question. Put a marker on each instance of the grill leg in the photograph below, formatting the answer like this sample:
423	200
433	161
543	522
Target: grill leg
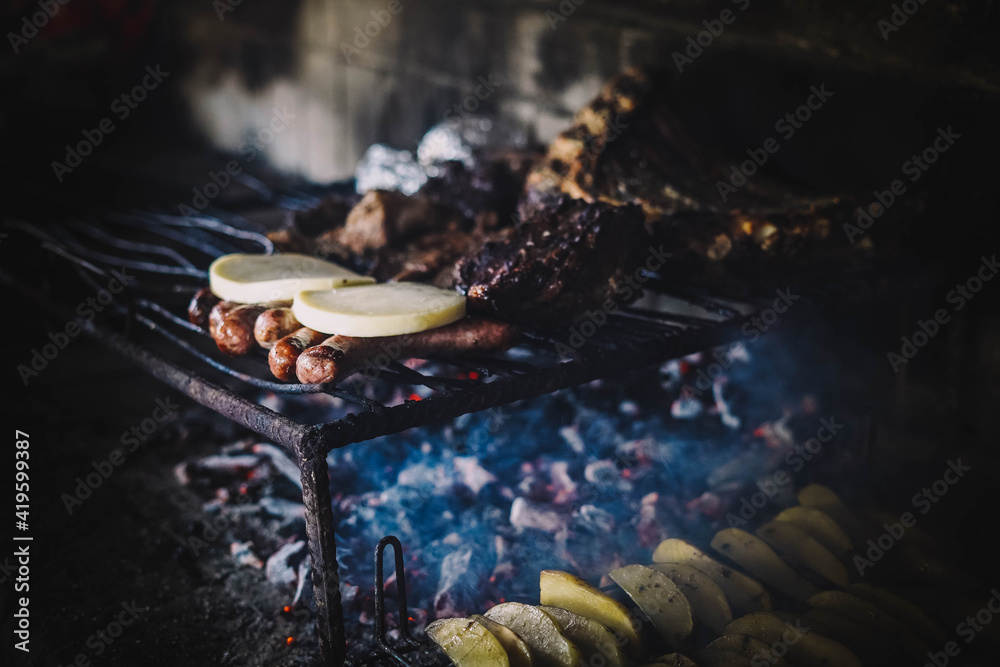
323	551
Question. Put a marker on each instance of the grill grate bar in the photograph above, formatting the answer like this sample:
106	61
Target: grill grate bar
631	339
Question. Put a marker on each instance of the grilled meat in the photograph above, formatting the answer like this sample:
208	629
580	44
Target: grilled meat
629	146
337	357
285	353
566	256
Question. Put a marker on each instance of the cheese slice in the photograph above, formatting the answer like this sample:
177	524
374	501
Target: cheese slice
388	309
261	278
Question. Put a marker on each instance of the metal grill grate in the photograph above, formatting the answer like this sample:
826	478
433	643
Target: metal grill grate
169	256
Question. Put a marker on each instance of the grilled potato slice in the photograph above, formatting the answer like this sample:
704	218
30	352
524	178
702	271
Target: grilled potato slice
468	643
759	559
590	637
789	539
708	602
561	589
820	526
913	534
936	570
805	648
743	593
901	608
672	660
518	652
539	631
853	634
865	612
823	499
722	657
660	599
749	647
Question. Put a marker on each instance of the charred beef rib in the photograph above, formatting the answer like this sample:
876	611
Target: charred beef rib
565	257
629	146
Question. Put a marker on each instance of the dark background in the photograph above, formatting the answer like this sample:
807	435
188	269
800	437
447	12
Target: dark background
938	70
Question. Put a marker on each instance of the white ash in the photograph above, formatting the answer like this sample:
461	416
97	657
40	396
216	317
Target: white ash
279	568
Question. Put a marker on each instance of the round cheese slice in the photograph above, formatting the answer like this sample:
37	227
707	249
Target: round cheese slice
261	278
388	309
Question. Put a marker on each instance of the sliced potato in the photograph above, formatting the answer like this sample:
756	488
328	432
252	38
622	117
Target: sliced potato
857	636
901	608
672	660
754	555
539	631
721	657
707	600
804	647
913	534
789	539
561	589
820	526
866	612
749	647
518	651
823	499
390	309
468	643
743	593
660	599
259	278
934	569
590	637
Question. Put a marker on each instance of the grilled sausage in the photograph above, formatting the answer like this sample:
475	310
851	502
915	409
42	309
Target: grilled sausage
201	304
337	357
235	334
273	325
219	313
286	351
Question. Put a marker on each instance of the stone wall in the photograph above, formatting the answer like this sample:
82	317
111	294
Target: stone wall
354	72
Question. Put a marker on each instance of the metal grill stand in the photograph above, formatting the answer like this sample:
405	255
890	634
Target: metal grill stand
632	340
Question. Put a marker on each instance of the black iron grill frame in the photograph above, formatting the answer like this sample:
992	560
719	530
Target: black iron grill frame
657	337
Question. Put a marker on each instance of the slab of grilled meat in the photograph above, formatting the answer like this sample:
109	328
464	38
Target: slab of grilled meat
629	146
566	256
393	236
